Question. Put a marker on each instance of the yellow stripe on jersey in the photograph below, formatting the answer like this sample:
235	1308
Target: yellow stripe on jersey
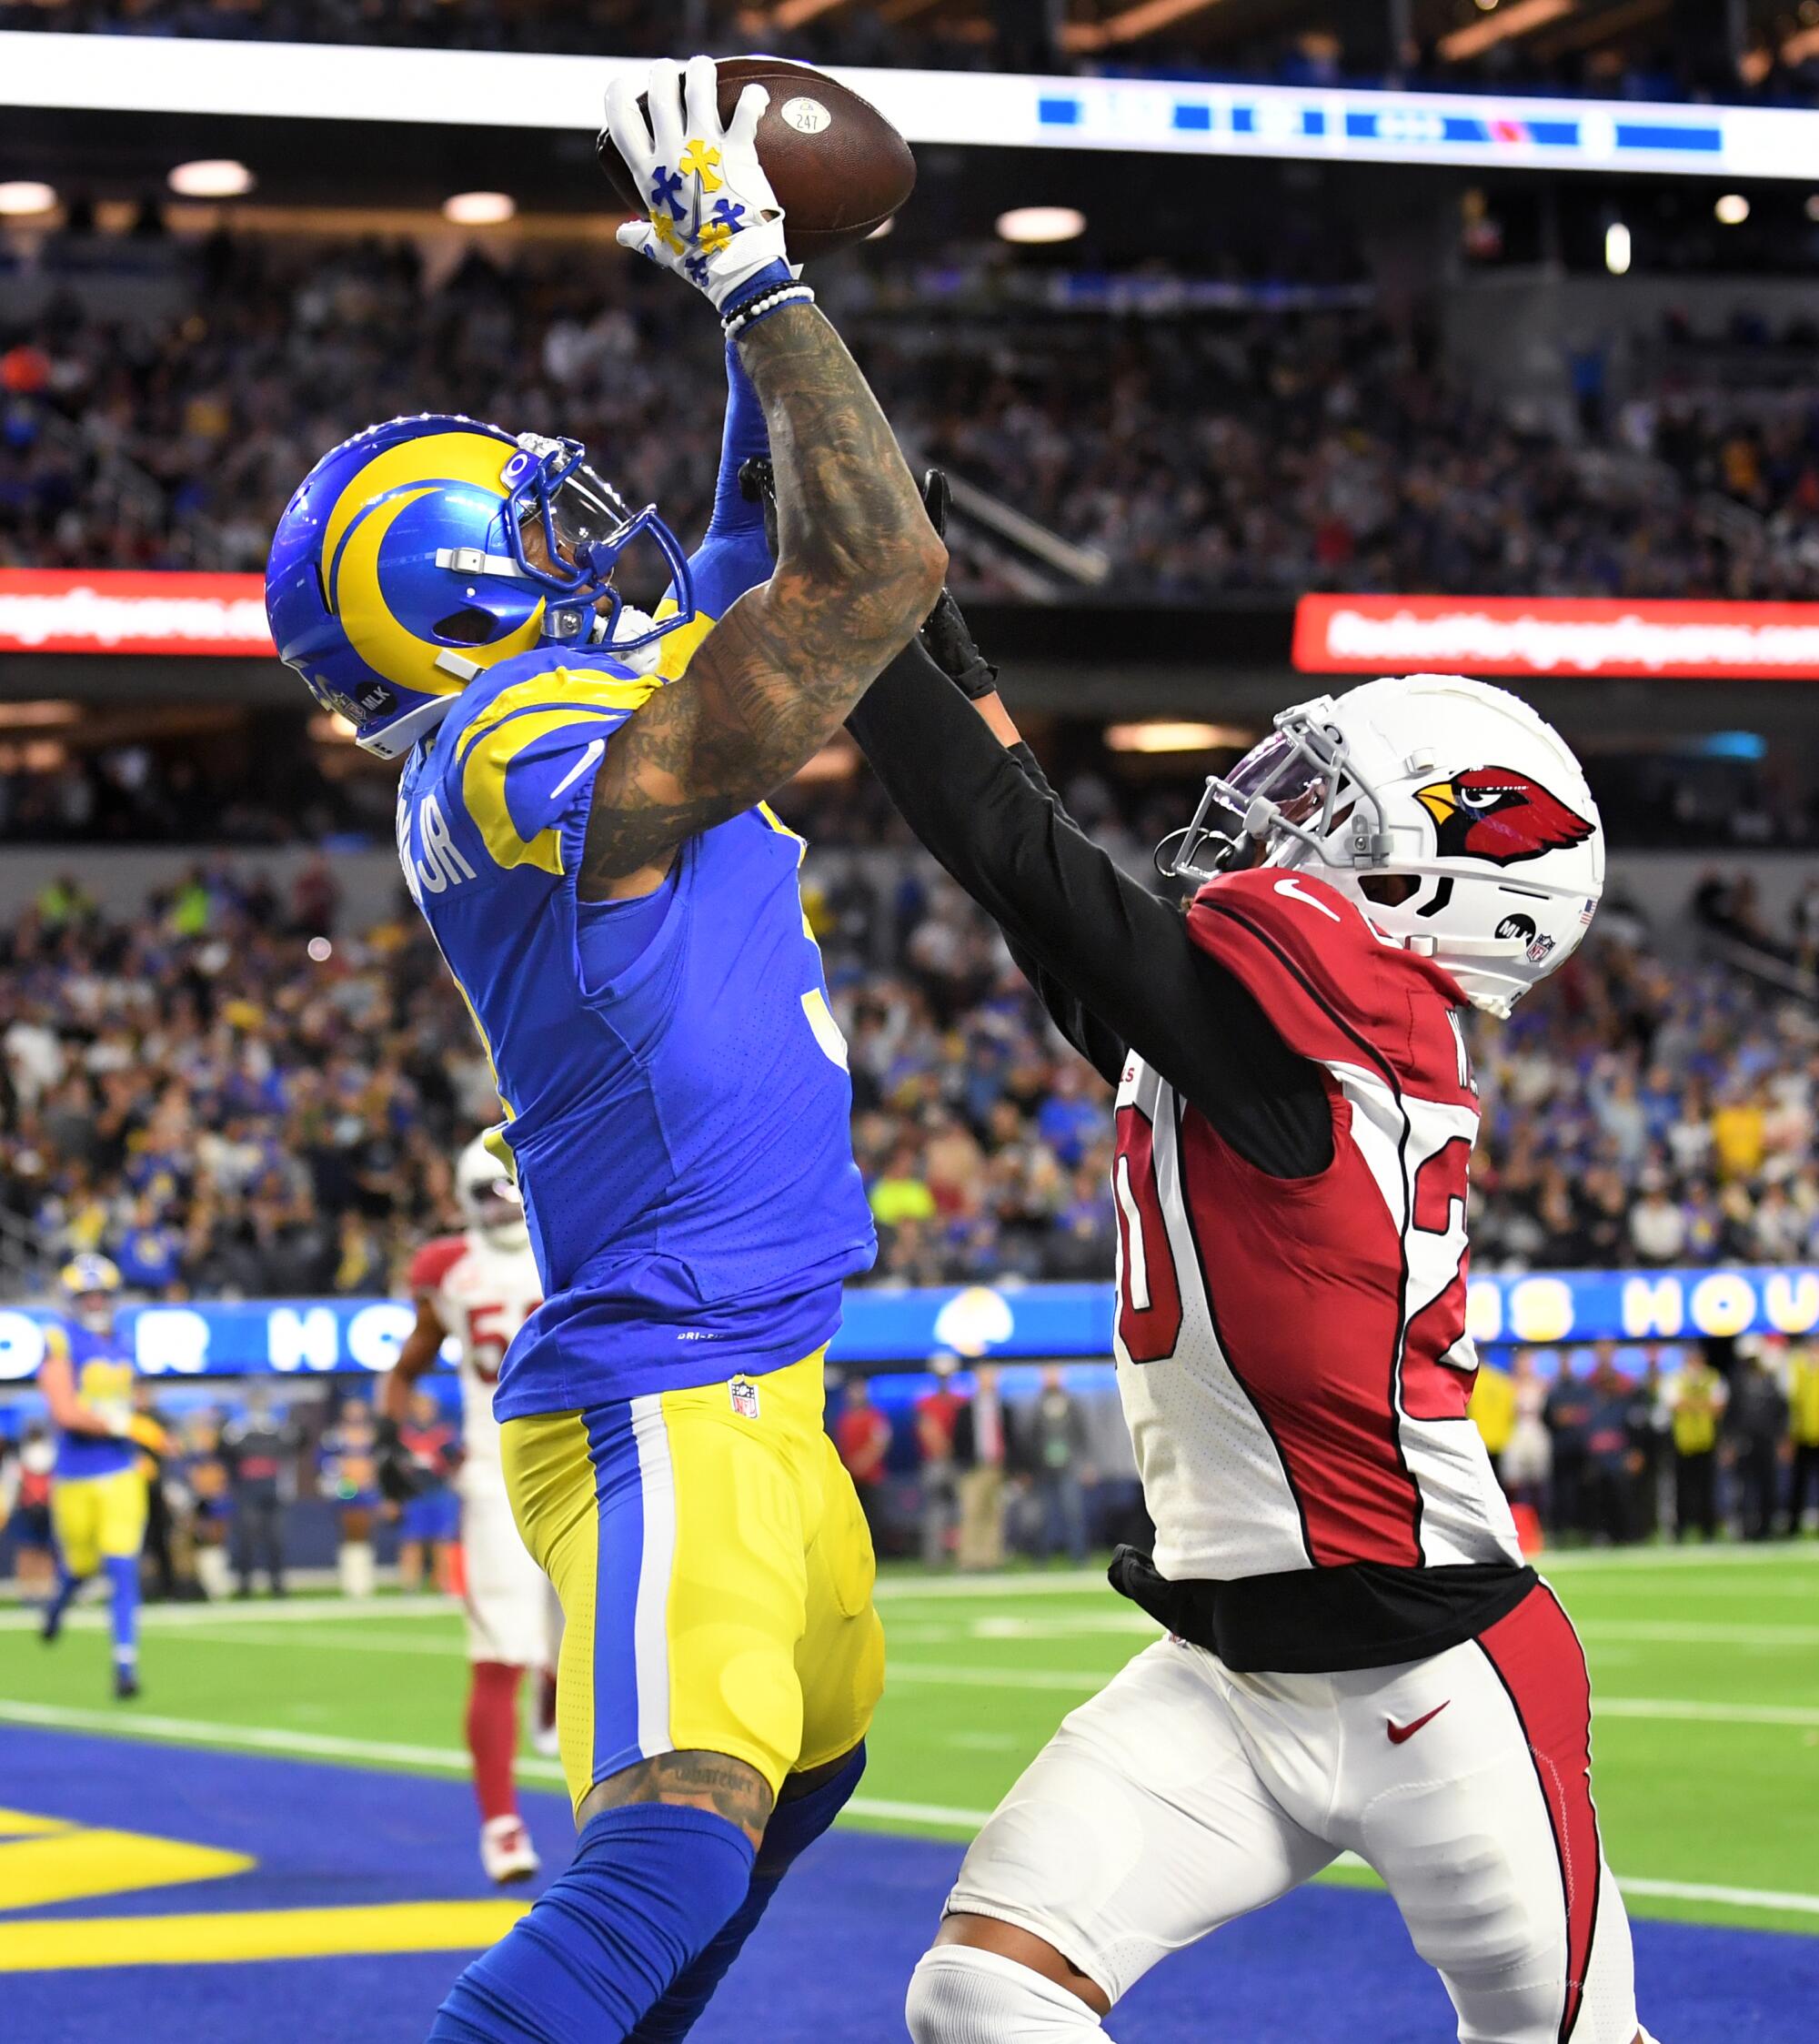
515	719
675	649
559	689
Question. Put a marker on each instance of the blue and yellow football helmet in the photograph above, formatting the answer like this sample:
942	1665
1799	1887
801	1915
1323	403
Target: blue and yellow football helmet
423	551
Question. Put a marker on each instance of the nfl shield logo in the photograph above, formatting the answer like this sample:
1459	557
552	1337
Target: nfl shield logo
744	1393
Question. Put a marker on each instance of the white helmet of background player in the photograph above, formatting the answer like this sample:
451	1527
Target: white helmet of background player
1457	819
489	1196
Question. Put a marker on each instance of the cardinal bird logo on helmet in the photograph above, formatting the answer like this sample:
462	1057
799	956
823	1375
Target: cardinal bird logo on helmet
1498	814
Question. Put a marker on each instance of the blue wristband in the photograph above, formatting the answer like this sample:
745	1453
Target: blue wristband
755	285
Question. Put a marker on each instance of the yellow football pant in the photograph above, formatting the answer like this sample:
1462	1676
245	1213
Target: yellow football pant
98	1518
715	1573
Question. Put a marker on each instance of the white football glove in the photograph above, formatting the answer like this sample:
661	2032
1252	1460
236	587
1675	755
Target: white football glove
714	218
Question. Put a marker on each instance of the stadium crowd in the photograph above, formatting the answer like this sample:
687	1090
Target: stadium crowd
1238	451
227	1103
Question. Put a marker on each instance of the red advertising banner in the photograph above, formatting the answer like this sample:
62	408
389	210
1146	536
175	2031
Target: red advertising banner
46	611
1564	636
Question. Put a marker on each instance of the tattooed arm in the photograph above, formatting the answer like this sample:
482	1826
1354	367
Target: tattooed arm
858	568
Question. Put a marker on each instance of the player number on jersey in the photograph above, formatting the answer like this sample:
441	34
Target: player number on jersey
1149	1292
1433	1388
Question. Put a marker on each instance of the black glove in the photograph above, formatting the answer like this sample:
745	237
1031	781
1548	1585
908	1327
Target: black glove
758	485
400	1477
945	635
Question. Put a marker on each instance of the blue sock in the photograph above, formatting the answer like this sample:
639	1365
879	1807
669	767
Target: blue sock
66	1587
794	1827
123	1576
650	1886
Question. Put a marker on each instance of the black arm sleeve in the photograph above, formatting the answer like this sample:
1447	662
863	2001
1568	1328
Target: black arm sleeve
1114	965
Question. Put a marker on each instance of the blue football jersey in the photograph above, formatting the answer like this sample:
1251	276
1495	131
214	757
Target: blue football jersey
682	1126
104	1375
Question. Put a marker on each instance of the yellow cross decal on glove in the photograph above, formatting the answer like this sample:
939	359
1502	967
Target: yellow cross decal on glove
663	227
699	161
714	236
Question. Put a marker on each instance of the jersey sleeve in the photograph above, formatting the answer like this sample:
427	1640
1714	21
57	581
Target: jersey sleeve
430	1266
1335	988
524	768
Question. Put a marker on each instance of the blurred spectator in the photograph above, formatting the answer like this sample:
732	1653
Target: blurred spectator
157	1554
1054	1448
430	1520
1611	1460
937	1415
1803	1430
202	1470
1569	1410
1493	1412
1696	1399
979	1454
347	1462
1527	1461
1756	1425
256	1450
862	1435
29	1526
1648	1421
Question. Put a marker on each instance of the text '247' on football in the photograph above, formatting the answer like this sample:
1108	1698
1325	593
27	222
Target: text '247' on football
837	166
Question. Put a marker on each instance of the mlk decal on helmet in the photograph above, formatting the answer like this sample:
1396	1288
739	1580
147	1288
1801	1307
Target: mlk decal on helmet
1390	794
1499	814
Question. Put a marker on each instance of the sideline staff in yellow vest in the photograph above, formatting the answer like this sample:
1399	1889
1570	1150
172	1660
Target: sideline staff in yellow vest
1697	1406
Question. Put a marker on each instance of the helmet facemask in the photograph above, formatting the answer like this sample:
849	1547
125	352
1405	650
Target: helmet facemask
1298	785
1359	792
580	527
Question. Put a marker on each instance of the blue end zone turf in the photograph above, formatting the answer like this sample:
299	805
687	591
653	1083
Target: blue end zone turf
335	1838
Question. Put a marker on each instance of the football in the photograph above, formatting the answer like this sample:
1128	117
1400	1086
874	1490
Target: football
837	166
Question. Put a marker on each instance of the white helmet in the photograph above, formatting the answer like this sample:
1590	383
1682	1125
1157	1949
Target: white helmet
1457	819
489	1196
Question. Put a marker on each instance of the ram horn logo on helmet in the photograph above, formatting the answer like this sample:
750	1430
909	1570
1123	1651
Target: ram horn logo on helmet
1498	814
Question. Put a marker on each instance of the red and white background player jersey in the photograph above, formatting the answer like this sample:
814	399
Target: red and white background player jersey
482	1294
1291	1352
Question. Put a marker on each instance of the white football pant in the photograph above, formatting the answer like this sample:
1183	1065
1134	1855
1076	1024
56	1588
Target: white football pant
1185	1795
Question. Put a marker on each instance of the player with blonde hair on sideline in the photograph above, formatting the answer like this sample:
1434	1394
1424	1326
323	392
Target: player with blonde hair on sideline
99	1485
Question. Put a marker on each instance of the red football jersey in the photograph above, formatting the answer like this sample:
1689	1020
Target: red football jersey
1291	1352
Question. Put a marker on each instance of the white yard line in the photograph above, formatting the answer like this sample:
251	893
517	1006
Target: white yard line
881	1809
254	1611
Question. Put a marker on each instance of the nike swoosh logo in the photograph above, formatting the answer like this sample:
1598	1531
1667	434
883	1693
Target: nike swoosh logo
1398	1733
1292	888
580	767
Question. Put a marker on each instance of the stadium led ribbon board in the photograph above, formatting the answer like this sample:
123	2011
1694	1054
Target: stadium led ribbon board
1028	1323
1559	636
112	610
492	88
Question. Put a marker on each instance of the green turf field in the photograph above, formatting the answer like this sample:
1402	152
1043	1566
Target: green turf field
1706	1668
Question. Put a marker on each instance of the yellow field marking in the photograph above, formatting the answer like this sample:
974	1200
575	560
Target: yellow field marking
22	1824
208	1940
43	1861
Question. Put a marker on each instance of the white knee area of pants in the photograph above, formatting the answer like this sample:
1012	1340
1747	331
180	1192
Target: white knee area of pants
959	1994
